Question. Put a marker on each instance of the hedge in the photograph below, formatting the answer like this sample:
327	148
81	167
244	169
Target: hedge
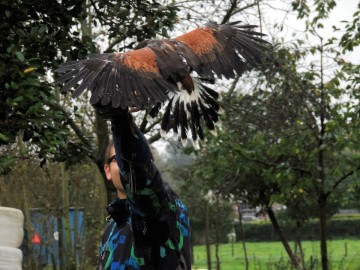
336	229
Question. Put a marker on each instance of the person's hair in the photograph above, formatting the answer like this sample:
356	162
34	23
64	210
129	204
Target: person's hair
108	150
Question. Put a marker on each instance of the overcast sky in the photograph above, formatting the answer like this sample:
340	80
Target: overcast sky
343	11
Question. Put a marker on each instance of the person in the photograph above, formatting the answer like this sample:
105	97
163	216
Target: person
148	225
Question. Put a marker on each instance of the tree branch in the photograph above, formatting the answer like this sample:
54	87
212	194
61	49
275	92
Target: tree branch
144	122
229	11
233	86
341	179
259	11
157	121
269	164
98	12
244	8
74	126
154	138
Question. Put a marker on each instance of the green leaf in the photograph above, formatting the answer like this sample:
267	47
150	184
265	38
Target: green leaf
31	82
3	137
14	85
20	56
42	29
18	99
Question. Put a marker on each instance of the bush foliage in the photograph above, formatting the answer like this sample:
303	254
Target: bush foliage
337	229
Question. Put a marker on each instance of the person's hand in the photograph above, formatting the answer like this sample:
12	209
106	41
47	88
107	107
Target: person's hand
110	113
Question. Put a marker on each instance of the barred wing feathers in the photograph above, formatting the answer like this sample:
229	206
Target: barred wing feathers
160	71
222	50
117	79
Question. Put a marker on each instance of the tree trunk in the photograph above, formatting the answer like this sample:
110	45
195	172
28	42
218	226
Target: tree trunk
62	264
321	163
323	234
70	262
301	252
192	251
207	241
242	235
299	245
217	239
282	237
76	239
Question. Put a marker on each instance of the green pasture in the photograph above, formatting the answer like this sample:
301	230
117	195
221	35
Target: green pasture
343	255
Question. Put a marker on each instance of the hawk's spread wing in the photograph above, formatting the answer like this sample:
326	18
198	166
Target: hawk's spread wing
120	79
222	50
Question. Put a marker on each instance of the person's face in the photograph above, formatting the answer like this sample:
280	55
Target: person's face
113	174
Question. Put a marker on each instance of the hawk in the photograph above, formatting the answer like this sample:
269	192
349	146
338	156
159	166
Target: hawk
171	73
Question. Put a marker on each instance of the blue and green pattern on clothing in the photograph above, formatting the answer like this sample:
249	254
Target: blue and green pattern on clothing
116	248
118	252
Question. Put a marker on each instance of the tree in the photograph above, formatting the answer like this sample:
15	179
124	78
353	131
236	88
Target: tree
36	38
30	44
296	133
211	215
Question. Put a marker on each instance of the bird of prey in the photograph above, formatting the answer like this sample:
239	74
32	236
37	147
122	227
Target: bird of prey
174	73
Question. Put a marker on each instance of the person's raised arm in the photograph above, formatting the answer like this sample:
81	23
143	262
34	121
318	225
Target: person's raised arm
139	176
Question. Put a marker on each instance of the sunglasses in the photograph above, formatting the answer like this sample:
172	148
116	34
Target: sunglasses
111	159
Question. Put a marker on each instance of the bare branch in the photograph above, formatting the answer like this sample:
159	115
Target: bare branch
230	11
157	121
341	179
154	138
244	8
233	86
144	122
76	129
269	164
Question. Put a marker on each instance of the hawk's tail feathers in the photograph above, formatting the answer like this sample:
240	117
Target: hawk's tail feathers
188	113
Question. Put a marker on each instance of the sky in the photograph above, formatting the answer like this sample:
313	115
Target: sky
343	11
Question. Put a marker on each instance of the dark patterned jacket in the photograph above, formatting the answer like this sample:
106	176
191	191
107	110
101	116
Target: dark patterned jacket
117	249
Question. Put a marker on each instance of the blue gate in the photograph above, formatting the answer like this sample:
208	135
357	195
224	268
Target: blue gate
49	229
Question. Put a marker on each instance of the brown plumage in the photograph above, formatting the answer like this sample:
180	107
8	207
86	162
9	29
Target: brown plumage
160	71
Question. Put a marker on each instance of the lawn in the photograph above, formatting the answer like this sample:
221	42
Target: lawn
343	255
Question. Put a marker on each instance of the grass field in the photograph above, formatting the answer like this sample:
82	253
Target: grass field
342	254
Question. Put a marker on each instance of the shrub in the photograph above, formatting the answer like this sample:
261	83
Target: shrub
337	229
